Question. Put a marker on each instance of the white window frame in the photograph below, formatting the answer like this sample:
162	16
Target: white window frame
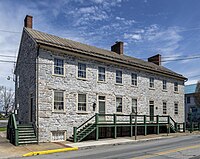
81	111
164	84
55	110
64	134
176	111
116	104
82	63
164	107
119	77
151	82
134	81
53	69
98	73
175	86
136	108
101	100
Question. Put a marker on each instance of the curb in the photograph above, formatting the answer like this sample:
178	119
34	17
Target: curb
124	143
49	151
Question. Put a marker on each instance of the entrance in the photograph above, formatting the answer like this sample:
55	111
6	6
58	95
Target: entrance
102	107
151	110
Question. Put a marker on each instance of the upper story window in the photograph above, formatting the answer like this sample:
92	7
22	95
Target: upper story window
58	66
175	108
176	86
118	104
81	70
164	84
82	102
151	82
134	106
101	74
17	81
58	100
164	107
188	100
134	79
118	76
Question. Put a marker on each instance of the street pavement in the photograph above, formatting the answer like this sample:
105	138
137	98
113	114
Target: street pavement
3	123
182	147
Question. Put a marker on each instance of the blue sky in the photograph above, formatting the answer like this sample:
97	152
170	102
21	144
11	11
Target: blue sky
147	27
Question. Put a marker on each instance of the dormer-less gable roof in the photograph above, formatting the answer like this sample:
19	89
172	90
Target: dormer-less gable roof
66	44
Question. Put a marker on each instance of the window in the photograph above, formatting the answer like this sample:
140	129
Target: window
188	99
58	100
176	86
164	84
58	135
176	108
58	66
164	107
17	81
134	79
81	70
151	82
134	106
82	102
118	104
101	74
118	76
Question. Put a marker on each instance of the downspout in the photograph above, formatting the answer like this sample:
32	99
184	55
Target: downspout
37	94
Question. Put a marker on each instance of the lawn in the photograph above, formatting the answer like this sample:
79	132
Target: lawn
2	129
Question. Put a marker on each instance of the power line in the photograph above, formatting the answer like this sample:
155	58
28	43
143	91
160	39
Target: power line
8	31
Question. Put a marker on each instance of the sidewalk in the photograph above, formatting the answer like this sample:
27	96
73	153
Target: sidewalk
8	150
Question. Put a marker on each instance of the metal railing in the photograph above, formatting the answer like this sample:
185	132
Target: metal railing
12	130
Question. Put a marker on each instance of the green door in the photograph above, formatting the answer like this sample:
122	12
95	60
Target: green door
151	110
102	107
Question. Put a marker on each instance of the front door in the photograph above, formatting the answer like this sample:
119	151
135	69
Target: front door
102	107
151	110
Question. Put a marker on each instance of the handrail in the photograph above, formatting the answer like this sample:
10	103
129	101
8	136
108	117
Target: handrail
86	121
12	131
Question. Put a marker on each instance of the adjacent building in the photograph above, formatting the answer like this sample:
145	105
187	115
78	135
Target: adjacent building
192	111
61	83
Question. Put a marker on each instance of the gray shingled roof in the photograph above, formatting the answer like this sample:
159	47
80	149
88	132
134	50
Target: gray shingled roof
55	41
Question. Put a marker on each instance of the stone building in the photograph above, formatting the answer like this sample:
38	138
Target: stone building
61	83
191	109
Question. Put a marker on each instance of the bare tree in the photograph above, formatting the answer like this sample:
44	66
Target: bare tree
197	95
6	99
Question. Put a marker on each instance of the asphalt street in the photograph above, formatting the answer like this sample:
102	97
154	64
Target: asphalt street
183	147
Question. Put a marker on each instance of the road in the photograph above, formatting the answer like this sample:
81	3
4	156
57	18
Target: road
183	147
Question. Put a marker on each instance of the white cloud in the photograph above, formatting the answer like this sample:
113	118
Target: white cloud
135	37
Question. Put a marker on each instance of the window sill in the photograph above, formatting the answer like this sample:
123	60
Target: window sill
119	84
101	82
82	112
56	75
150	88
59	112
83	79
164	90
135	86
176	92
120	113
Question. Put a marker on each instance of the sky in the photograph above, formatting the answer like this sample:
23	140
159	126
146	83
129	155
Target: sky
147	27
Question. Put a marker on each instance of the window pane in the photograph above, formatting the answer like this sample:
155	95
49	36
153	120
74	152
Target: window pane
164	108
82	102
164	84
81	70
58	66
58	101
101	74
151	82
134	106
118	76
134	79
119	104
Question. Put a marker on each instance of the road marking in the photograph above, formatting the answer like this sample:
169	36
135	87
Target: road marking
167	152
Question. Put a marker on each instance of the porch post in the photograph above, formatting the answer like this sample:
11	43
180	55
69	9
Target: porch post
168	123
75	134
131	126
158	126
115	126
97	127
145	125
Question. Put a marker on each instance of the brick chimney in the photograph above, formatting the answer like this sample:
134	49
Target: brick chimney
118	47
155	59
28	21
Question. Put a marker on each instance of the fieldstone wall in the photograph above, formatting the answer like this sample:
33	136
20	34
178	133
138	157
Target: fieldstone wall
53	121
26	70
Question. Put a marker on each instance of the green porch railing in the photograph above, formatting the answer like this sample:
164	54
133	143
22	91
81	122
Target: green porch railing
115	120
12	130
